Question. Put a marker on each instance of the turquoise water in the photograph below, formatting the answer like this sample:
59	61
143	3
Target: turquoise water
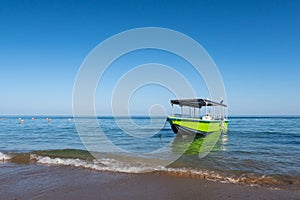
253	146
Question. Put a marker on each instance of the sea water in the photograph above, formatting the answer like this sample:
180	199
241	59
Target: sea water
255	150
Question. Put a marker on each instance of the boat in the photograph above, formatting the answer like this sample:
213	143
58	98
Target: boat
214	119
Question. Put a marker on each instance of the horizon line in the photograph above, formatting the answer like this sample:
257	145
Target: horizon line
139	115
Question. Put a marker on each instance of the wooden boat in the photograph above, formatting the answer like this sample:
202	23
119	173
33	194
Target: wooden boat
192	123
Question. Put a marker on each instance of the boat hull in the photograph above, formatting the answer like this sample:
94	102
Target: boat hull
183	125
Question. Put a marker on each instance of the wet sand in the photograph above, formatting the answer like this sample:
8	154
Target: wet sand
60	182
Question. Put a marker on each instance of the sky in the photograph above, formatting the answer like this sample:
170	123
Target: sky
255	45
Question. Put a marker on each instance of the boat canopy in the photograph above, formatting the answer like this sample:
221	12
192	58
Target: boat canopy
196	103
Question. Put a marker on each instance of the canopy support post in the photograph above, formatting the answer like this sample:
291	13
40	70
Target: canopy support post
181	110
199	112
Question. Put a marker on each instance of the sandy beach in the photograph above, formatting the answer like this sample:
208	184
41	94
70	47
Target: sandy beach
61	182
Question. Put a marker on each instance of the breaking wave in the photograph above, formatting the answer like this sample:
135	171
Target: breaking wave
4	157
111	163
105	164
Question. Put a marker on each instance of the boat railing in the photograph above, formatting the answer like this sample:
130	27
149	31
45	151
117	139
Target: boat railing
181	115
198	117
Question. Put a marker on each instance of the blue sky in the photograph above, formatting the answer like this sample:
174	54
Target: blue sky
255	44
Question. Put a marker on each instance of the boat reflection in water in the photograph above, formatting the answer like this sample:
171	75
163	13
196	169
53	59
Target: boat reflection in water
197	145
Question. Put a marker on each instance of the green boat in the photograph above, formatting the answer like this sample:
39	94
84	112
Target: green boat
194	122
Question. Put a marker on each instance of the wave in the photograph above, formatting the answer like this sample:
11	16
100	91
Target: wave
105	164
4	157
83	159
113	165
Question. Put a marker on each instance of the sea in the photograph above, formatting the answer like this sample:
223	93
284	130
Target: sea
256	151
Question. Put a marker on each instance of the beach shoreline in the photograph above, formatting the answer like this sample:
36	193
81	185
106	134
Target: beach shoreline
32	181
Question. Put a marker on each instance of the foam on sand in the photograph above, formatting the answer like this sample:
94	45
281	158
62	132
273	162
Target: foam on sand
105	164
113	165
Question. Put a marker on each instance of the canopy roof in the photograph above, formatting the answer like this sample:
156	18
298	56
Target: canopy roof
198	103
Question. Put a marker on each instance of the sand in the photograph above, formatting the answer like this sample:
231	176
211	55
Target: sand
61	182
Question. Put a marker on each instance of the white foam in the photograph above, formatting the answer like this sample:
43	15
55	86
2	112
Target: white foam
113	165
106	164
4	157
109	164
